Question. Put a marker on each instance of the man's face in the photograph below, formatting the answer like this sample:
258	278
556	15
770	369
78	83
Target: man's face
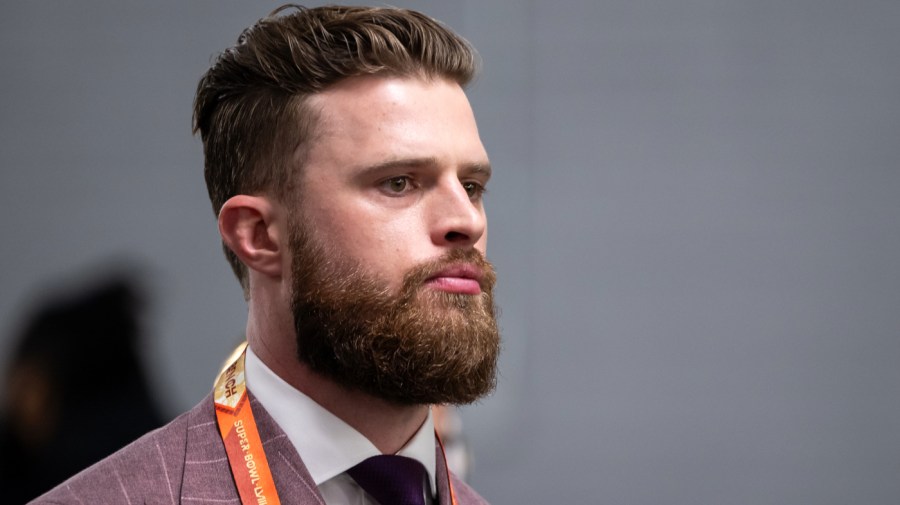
394	174
390	289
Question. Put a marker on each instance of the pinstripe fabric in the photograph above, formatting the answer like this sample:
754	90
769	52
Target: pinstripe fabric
185	463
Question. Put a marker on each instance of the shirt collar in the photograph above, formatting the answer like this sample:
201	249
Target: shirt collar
327	445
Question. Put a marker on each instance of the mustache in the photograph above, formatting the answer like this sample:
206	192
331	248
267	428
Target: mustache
417	275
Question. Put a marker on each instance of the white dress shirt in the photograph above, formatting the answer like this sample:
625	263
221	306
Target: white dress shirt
327	445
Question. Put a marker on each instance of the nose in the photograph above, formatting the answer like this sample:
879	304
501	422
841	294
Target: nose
457	219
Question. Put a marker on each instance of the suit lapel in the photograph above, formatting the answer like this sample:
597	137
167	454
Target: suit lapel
207	473
207	476
440	469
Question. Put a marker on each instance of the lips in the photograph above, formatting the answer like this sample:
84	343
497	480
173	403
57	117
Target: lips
460	278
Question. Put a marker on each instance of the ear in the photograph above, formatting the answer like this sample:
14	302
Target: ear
250	228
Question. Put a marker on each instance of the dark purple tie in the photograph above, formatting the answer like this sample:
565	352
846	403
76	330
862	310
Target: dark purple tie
391	480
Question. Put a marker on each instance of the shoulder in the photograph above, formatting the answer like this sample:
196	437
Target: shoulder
149	470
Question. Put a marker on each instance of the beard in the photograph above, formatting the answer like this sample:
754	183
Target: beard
417	346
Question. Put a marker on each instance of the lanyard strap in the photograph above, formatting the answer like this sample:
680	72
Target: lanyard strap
246	456
242	443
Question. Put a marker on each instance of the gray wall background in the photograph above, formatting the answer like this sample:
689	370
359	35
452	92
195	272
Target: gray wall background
695	216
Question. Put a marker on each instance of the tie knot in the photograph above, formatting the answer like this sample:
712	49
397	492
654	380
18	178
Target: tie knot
391	480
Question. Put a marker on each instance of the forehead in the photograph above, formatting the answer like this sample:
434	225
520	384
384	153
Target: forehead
385	116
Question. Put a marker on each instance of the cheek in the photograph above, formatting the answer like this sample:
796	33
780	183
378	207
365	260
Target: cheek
375	245
386	242
481	245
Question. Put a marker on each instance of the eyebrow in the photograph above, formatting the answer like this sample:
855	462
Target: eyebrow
479	168
483	168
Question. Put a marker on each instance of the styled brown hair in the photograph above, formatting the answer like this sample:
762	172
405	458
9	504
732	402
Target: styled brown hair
250	108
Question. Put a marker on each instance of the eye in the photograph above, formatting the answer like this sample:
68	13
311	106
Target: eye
397	185
474	189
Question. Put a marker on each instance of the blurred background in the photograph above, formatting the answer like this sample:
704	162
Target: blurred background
695	218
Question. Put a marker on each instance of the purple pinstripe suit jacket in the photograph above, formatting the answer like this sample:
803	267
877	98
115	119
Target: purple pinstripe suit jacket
185	463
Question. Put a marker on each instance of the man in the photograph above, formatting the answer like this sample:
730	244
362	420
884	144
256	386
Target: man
344	163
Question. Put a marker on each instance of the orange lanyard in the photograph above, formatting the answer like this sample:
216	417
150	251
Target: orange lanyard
242	443
246	456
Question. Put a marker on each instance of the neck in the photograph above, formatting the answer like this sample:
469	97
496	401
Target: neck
387	425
